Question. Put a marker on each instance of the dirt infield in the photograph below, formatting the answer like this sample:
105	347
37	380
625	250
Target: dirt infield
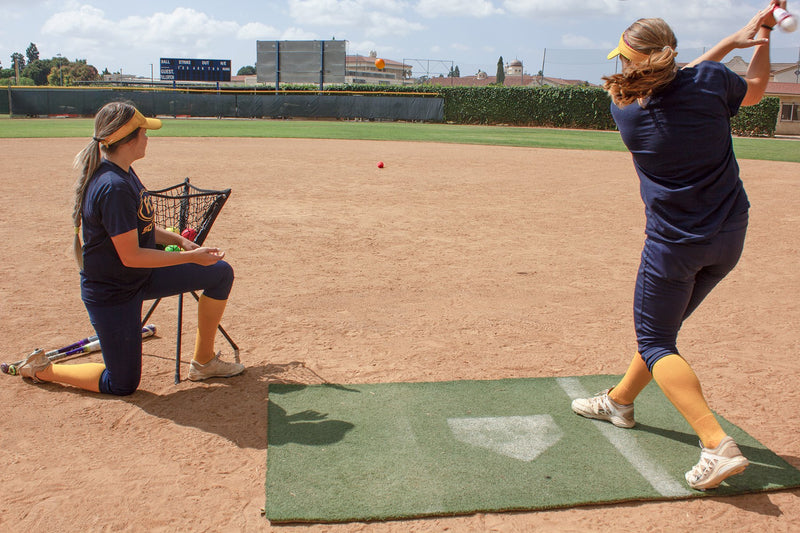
452	262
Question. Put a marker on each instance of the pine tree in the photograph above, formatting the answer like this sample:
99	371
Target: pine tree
33	53
501	73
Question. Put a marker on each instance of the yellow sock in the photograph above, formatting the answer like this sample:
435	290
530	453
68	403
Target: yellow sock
85	376
681	386
635	379
209	315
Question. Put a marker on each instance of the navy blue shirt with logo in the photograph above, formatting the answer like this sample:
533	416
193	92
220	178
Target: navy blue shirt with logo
116	202
683	153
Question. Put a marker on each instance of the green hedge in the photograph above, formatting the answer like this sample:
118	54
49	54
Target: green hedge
558	107
759	120
555	107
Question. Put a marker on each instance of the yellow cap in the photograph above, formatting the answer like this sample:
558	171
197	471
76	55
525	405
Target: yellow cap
137	121
624	49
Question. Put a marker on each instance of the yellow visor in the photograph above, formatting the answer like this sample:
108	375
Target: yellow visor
137	121
623	49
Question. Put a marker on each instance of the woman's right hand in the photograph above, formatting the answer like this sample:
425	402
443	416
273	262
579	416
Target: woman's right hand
769	20
205	255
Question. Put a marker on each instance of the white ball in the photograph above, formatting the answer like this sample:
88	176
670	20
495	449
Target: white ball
789	24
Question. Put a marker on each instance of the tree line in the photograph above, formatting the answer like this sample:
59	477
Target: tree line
30	69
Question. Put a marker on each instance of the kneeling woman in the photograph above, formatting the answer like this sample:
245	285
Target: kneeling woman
122	266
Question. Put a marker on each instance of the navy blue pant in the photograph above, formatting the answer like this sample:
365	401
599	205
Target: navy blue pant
119	326
673	279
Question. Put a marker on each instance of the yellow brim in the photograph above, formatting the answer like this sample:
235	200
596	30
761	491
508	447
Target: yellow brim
137	121
624	50
613	53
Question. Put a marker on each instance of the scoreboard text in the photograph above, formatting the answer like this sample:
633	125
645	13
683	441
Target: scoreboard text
173	69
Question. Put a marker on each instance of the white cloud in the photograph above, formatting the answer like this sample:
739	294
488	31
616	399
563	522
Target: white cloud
564	8
385	25
570	40
255	31
78	19
343	13
298	34
362	47
183	26
375	18
459	8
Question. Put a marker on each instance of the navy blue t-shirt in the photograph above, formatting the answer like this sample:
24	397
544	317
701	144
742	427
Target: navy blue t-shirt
116	202
683	153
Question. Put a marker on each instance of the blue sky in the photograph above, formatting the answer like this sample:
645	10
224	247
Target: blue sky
431	35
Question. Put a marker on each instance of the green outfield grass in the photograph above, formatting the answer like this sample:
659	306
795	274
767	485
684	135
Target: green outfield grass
746	148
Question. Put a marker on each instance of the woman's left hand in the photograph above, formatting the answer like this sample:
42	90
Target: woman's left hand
746	37
186	244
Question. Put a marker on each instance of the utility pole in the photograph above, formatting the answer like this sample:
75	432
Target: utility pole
797	70
544	55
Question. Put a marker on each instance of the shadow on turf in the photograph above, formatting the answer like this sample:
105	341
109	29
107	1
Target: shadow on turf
679	436
236	408
765	470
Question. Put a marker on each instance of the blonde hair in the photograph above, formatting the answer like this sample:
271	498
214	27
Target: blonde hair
654	38
109	119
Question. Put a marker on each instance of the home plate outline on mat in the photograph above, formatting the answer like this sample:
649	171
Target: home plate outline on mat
519	437
659	478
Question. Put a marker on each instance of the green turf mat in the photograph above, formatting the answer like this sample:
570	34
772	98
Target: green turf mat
340	453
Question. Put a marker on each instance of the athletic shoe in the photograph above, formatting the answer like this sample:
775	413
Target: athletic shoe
601	407
35	362
216	368
716	465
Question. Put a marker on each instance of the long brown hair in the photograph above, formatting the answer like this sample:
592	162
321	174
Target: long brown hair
653	37
109	119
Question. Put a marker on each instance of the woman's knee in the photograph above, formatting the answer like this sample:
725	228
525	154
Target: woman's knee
224	281
125	386
651	355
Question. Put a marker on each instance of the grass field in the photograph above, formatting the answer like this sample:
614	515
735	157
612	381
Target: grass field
746	148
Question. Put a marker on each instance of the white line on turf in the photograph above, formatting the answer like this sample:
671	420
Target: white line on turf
625	444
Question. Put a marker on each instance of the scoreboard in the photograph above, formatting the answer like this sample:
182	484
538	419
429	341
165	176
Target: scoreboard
174	69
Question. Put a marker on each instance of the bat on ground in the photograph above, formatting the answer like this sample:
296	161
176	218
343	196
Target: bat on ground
87	345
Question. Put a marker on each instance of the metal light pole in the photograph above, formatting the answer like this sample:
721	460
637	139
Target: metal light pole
60	73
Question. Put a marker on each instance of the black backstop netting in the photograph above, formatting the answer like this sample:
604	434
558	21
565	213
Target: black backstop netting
32	101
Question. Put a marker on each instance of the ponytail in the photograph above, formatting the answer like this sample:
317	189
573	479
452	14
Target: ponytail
640	80
108	120
88	161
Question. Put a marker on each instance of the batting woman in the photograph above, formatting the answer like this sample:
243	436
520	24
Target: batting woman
122	265
676	124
